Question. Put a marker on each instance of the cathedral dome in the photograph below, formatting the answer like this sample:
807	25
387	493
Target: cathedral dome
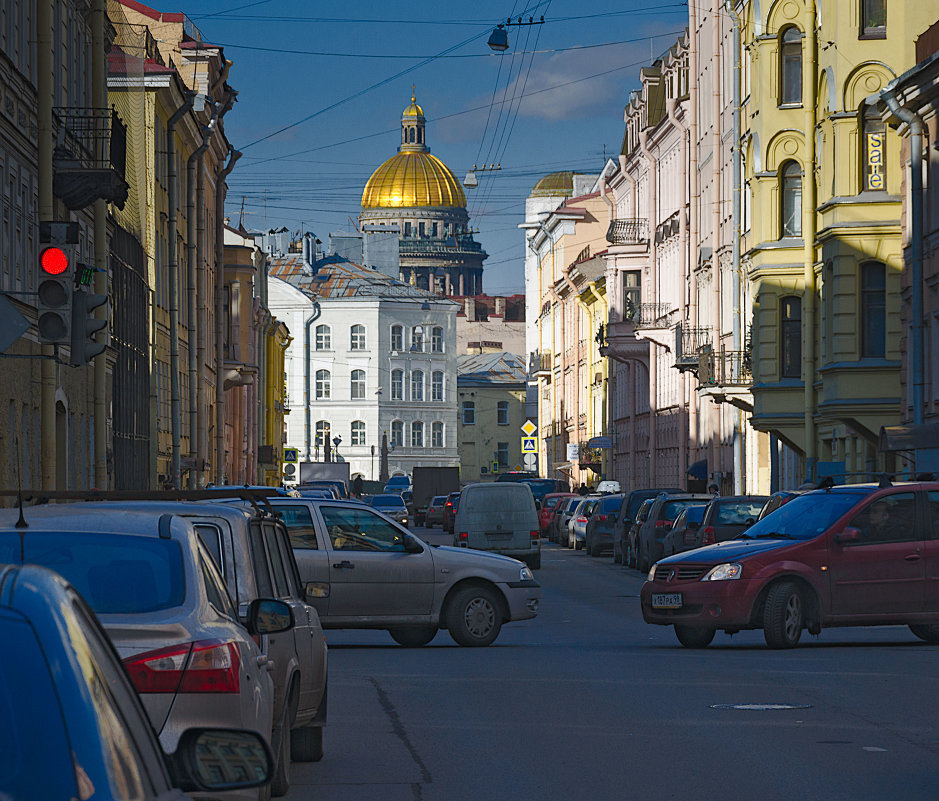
413	177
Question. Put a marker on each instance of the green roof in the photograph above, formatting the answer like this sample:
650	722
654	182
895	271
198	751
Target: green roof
556	184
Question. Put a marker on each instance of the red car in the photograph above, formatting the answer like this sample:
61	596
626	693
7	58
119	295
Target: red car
855	555
549	508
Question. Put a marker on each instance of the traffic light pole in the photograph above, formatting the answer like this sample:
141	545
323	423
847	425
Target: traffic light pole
99	99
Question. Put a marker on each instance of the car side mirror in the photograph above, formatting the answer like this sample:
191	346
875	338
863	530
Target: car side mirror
749	522
218	760
269	616
412	545
848	535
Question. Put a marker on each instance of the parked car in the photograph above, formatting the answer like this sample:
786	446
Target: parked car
624	521
684	533
434	514
159	594
501	518
577	525
337	487
391	505
601	524
541	487
397	484
662	513
776	500
73	727
363	570
728	517
560	531
854	555
631	549
449	511
549	507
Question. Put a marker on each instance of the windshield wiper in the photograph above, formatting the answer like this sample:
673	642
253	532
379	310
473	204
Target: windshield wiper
776	536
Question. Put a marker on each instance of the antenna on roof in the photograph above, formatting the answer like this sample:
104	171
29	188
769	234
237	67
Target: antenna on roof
21	523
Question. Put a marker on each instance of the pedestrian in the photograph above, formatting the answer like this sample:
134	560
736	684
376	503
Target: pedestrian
714	490
357	487
582	489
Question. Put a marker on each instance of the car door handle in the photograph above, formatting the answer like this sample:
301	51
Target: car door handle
913	557
263	660
345	563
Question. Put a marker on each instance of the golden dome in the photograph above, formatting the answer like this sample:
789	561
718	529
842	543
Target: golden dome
413	179
414	111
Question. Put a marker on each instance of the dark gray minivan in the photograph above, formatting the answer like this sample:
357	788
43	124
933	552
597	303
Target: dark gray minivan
499	517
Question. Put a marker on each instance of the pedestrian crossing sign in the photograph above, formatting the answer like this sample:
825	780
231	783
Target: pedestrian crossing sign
291	456
529	445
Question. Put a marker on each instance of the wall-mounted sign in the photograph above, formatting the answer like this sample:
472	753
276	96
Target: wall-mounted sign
875	175
573	451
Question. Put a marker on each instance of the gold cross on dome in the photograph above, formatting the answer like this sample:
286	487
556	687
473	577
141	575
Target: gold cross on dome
413	93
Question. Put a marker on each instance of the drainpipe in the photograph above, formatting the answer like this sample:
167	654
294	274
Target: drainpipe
234	155
693	200
809	222
653	271
716	460
194	331
735	269
917	344
173	267
604	423
307	431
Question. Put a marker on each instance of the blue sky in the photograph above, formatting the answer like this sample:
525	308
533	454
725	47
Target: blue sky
553	101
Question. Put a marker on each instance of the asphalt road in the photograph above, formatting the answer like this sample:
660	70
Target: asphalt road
587	702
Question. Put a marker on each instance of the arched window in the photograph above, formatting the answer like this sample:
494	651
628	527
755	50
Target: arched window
436	385
397	433
357	337
397	384
411	135
790	67
417	434
417	385
502	412
436	434
791	207
358	432
323	384
322	433
397	337
324	340
436	339
358	385
873	310
790	339
417	338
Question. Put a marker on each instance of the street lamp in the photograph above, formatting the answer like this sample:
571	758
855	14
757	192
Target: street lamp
336	440
499	39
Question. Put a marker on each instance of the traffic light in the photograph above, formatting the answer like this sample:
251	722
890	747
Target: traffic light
55	293
84	326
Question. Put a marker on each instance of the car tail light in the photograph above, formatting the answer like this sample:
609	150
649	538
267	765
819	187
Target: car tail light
205	666
708	535
663	523
449	505
581	519
600	517
535	535
464	536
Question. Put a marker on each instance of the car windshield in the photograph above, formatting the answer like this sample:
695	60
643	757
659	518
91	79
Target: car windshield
388	501
117	574
550	503
805	517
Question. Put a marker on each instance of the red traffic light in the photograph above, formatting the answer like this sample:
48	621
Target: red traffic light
53	261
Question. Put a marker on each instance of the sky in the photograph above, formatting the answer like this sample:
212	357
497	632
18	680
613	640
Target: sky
321	87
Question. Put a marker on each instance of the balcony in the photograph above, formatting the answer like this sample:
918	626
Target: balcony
89	158
628	232
688	343
453	245
651	315
542	363
726	376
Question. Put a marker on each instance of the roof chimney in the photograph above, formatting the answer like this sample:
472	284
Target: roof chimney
469	306
500	308
309	254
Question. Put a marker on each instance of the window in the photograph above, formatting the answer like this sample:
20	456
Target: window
436	339
790	64
417	338
323	337
791	338
323	384
282	586
436	435
420	229
873	310
874	19
358	432
397	433
358	384
397	337
417	385
322	432
356	529
631	294
417	434
299	526
357	337
397	384
407	229
502	412
502	454
874	142
436	385
791	177
211	537
469	413
888	519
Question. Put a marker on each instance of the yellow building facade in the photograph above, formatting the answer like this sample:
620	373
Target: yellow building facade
821	223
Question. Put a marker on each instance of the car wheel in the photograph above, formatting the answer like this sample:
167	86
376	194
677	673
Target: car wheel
280	783
534	562
642	563
783	615
926	631
474	616
592	550
306	744
617	556
694	636
413	636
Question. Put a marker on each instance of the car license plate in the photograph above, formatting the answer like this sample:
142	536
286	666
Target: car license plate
662	600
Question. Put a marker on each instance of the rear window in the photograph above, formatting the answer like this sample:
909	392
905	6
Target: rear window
438	500
671	509
388	501
117	574
737	512
608	505
636	499
550	503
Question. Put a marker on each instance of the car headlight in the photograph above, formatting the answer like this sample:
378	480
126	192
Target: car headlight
525	574
651	576
724	572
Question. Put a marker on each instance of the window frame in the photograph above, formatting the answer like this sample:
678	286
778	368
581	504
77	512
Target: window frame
357	432
786	57
357	384
437	427
435	385
357	340
397	433
324	335
787	179
872	300
417	434
324	384
787	327
417	381
397	337
872	31
417	339
502	413
436	339
468	406
397	384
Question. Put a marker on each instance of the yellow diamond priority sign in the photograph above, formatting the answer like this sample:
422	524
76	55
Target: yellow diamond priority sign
529	428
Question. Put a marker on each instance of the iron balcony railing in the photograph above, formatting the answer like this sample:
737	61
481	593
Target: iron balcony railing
628	232
90	155
688	342
651	315
725	368
542	362
458	244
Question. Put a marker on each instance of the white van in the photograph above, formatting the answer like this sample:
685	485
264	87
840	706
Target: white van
499	517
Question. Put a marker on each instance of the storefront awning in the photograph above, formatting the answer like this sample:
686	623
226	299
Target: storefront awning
699	470
909	438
